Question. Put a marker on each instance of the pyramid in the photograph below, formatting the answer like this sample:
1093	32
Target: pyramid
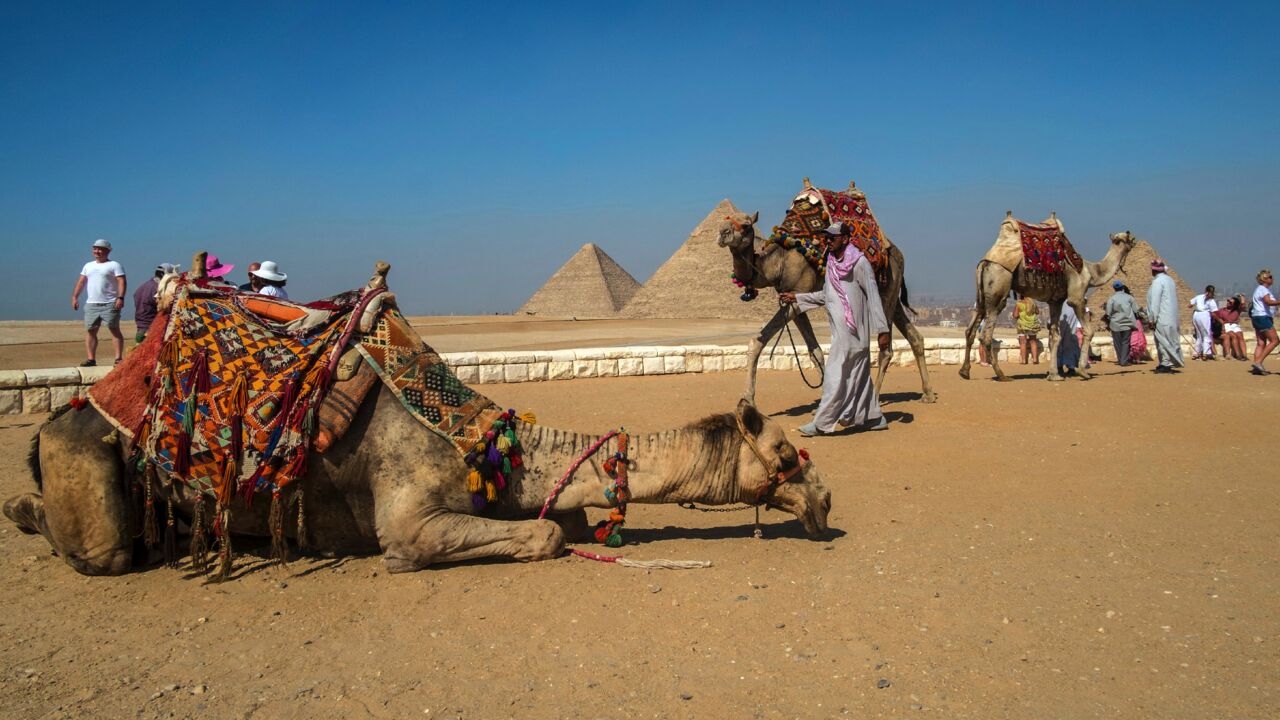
694	282
1137	275
589	285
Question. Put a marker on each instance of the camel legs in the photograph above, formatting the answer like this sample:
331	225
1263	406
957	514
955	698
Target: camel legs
82	511
969	333
1055	312
909	331
773	327
445	536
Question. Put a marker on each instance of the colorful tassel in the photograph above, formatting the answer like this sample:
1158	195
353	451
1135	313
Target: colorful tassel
490	492
170	535
302	522
199	540
182	456
150	533
275	521
474	481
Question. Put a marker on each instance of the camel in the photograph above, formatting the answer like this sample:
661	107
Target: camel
788	271
391	485
1003	269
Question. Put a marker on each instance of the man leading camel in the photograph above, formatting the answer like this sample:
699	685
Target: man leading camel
1162	308
853	308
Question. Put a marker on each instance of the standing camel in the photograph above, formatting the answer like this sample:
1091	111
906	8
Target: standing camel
1004	269
788	271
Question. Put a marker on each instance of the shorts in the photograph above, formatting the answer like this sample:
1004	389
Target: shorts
1231	327
96	314
1262	322
1028	334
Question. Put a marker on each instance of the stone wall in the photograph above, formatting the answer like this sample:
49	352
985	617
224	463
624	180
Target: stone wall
42	390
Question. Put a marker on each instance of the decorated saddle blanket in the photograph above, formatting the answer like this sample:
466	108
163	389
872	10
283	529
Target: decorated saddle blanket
813	210
1046	249
229	401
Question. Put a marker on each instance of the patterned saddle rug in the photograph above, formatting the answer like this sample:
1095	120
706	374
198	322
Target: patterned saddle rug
231	403
1046	249
814	209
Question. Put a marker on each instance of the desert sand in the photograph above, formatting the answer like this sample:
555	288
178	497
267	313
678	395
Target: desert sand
1019	550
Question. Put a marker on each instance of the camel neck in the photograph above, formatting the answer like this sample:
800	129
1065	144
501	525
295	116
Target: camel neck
688	464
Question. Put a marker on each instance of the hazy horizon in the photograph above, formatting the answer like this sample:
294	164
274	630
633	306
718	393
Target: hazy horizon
476	149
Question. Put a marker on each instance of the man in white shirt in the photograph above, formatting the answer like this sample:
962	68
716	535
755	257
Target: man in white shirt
1202	308
104	283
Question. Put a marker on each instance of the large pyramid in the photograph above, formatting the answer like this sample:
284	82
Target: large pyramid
694	282
1137	275
589	285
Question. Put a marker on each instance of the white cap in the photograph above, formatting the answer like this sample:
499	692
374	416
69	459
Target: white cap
102	243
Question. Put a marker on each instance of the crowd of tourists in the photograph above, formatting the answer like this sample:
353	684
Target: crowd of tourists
103	283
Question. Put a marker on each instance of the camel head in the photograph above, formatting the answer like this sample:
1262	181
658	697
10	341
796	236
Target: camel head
1123	242
790	482
738	232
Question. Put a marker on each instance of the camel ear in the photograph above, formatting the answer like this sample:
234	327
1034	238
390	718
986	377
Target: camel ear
751	418
755	217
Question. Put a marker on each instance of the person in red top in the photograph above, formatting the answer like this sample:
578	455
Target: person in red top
1232	335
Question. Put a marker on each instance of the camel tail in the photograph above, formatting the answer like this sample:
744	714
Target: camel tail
906	303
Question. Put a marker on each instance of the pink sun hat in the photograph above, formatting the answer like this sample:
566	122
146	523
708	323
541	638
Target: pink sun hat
214	268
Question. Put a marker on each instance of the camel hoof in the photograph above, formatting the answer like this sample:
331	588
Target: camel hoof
930	398
964	373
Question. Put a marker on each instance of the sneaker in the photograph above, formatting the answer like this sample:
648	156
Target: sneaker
118	361
881	424
88	363
810	430
1257	369
1163	370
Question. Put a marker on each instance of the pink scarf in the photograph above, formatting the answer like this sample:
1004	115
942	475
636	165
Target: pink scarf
839	269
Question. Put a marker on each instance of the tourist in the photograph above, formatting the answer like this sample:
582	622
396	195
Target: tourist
853	308
1026	315
248	287
103	281
1138	351
144	302
217	272
1202	308
1162	309
1122	317
1263	313
1232	336
1068	340
270	281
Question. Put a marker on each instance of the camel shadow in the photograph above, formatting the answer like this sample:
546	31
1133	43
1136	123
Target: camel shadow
899	397
797	411
791	529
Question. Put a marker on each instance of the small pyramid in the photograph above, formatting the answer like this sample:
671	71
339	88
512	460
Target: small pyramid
589	285
694	282
1137	275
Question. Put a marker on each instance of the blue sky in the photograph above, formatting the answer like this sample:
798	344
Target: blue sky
477	146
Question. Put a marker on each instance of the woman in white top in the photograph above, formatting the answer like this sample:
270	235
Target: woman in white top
1262	312
1203	307
268	280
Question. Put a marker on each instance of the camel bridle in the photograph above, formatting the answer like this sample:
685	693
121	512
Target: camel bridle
750	260
774	478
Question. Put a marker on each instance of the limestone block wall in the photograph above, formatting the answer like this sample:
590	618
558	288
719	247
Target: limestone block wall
45	389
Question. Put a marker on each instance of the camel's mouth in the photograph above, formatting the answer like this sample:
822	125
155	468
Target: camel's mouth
809	503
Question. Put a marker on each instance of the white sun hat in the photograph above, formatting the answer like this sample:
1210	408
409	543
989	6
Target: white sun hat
270	271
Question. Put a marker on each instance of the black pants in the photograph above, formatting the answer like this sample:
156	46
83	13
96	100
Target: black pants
1120	338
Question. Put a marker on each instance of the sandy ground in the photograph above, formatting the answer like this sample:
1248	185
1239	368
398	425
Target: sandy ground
39	344
1018	550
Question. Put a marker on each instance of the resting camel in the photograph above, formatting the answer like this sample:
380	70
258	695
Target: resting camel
390	485
995	280
788	271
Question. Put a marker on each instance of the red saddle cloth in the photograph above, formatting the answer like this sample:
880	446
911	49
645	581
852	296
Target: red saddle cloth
1046	249
810	214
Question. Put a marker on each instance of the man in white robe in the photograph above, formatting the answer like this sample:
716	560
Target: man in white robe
1162	309
853	307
